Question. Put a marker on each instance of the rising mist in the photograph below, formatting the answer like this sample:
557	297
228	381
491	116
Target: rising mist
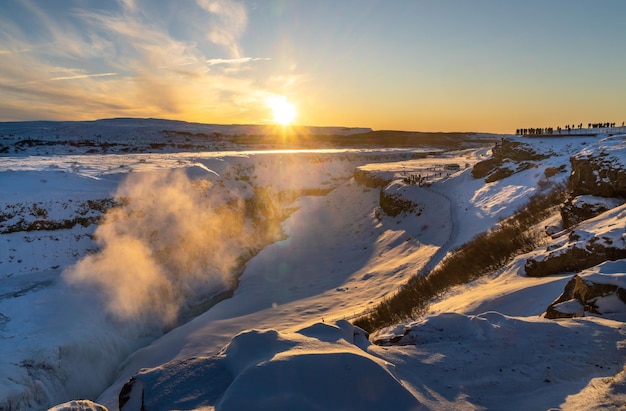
171	242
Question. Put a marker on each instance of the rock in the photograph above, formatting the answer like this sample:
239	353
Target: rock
485	167
600	170
581	208
567	309
553	230
499	173
584	293
369	179
594	241
394	202
508	157
572	259
517	151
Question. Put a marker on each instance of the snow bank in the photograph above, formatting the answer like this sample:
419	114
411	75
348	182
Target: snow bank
447	361
494	361
79	405
318	367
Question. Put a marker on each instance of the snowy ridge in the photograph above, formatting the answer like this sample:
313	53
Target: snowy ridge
272	370
279	341
149	127
130	135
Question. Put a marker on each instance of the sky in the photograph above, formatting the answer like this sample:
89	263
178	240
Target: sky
419	65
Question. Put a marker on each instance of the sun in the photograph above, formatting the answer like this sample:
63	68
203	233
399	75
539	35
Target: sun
284	111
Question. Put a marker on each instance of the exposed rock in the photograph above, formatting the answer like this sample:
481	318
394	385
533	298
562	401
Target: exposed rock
594	241
553	230
508	157
552	171
131	396
499	173
485	167
582	293
573	258
581	208
600	170
399	338
517	151
370	179
567	309
394	202
40	216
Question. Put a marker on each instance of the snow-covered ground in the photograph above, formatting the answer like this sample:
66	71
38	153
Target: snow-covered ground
77	296
281	341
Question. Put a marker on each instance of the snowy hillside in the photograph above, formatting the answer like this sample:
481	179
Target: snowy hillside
213	280
131	135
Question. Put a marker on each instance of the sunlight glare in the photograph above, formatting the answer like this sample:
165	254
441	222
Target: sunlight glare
284	111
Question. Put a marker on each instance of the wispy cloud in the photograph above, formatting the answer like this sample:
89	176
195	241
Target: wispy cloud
14	51
229	23
82	76
130	64
213	62
129	5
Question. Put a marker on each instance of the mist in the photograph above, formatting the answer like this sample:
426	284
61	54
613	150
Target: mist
170	243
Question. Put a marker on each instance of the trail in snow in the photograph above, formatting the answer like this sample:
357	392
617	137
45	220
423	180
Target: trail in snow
445	247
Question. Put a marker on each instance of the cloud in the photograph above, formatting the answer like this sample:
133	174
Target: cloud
82	76
213	62
130	65
130	5
14	51
229	23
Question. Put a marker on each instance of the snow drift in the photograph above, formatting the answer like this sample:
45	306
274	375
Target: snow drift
319	367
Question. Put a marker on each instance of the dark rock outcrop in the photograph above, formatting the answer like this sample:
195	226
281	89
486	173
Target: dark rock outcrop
393	201
517	151
485	167
594	241
573	258
582	294
600	170
508	157
369	179
578	209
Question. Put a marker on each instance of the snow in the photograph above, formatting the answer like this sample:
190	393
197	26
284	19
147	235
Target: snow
573	307
595	201
490	360
281	341
78	405
613	147
317	367
606	230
